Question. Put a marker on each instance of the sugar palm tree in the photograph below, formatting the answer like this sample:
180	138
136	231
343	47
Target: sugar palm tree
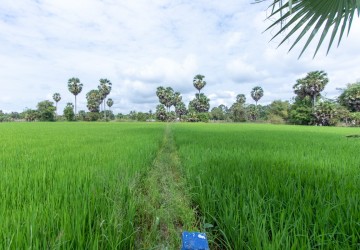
109	102
75	87
256	93
311	85
199	82
104	89
301	16
57	99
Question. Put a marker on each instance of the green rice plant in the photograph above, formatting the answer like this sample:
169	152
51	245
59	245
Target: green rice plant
71	185
273	186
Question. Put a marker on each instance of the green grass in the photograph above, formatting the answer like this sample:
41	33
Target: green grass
70	185
128	185
164	201
274	187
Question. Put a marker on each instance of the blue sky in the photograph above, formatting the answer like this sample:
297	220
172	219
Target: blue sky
140	45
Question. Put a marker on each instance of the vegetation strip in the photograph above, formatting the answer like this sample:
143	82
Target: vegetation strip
164	209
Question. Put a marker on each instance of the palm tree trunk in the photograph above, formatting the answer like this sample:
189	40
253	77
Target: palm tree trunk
313	102
104	110
75	105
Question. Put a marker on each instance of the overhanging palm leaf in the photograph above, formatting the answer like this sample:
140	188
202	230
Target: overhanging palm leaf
304	15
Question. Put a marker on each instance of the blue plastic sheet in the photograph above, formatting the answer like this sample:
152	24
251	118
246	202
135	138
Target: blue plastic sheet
194	241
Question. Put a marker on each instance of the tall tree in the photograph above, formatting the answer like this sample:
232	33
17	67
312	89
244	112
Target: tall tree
57	99
311	85
297	17
256	93
104	90
168	97
199	82
75	87
350	98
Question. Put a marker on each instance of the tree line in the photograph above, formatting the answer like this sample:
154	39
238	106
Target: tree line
46	111
307	107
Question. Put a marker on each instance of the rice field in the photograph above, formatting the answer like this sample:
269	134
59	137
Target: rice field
69	185
252	186
274	187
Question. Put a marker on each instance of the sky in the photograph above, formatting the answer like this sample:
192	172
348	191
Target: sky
140	45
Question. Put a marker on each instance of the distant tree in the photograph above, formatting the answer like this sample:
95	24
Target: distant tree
217	113
180	109
132	115
278	110
200	104
30	115
168	97
199	82
104	90
252	112
46	111
161	113
82	115
238	112
256	93
177	98
301	111
109	102
69	112
15	115
93	98
350	97
241	98
57	99
325	114
311	85
75	87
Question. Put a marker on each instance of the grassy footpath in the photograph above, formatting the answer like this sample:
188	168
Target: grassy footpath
164	209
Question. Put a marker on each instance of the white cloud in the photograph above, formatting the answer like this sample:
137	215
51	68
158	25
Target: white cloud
142	44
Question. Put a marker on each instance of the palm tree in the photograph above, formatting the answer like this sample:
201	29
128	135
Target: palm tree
104	89
75	87
109	102
57	99
304	15
256	93
311	85
240	98
199	82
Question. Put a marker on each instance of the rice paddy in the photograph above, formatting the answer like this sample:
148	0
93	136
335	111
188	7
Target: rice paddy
251	186
274	187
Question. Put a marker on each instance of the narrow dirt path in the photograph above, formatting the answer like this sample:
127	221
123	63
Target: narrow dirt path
164	209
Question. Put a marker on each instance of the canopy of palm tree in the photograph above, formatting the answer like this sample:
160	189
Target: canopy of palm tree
199	82
74	86
302	16
256	93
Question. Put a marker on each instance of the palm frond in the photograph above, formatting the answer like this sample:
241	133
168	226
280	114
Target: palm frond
305	15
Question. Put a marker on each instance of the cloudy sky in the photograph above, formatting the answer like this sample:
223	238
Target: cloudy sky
142	44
